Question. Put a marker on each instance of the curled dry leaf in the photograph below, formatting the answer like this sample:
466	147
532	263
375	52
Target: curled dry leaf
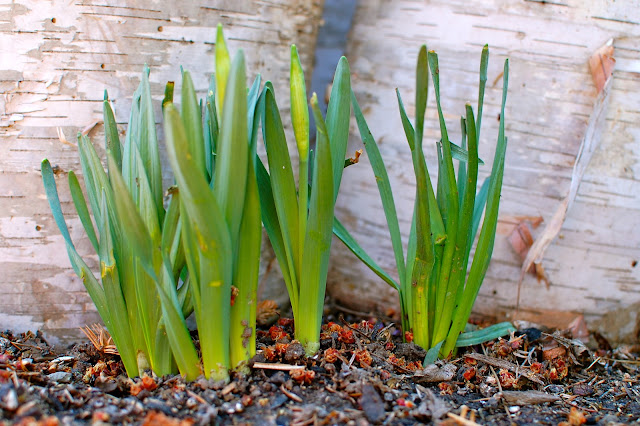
589	144
432	373
601	65
267	313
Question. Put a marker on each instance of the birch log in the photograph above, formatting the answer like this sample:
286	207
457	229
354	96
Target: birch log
57	58
592	265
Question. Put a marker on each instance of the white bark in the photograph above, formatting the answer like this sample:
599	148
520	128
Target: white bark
550	98
57	57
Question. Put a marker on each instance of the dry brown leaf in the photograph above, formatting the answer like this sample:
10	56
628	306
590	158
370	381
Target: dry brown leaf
578	328
588	146
507	223
267	313
601	65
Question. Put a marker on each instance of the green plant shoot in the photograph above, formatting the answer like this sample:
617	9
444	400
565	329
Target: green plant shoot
299	223
436	292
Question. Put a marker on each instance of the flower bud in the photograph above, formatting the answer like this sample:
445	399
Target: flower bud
299	109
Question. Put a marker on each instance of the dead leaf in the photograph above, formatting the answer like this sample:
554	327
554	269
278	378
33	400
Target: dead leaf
507	223
578	329
553	352
267	313
588	146
601	65
432	373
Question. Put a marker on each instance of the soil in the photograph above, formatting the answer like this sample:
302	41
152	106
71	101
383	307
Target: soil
362	375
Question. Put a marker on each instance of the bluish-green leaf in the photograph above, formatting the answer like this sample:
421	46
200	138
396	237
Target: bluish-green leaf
384	188
338	116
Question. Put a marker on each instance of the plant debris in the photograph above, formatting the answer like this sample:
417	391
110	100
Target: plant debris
363	374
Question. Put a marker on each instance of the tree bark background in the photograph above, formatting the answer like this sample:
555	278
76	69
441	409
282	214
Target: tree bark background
57	58
592	265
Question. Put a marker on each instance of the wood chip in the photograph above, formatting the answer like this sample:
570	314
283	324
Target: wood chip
276	366
229	388
528	397
507	366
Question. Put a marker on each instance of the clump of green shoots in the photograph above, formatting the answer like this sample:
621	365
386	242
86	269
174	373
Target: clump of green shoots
199	255
299	223
436	292
128	300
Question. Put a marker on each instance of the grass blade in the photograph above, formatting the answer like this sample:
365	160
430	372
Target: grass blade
223	65
484	248
459	263
484	66
486	334
450	212
192	118
386	196
120	330
341	232
148	145
274	231
246	272
338	115
112	139
315	262
283	187
80	267
83	211
211	129
233	149
207	247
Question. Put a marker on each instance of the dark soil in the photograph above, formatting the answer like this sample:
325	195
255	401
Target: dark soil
362	375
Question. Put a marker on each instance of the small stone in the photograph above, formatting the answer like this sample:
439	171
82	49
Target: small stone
60	377
372	404
294	352
278	378
191	403
4	344
582	389
8	398
514	409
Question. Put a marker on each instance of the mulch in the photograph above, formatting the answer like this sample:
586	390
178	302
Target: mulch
362	375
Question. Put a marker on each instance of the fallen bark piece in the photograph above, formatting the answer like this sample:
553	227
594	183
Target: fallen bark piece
432	373
507	366
528	397
371	404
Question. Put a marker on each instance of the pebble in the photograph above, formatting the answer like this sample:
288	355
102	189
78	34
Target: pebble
514	409
60	377
294	352
4	344
8	397
372	404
